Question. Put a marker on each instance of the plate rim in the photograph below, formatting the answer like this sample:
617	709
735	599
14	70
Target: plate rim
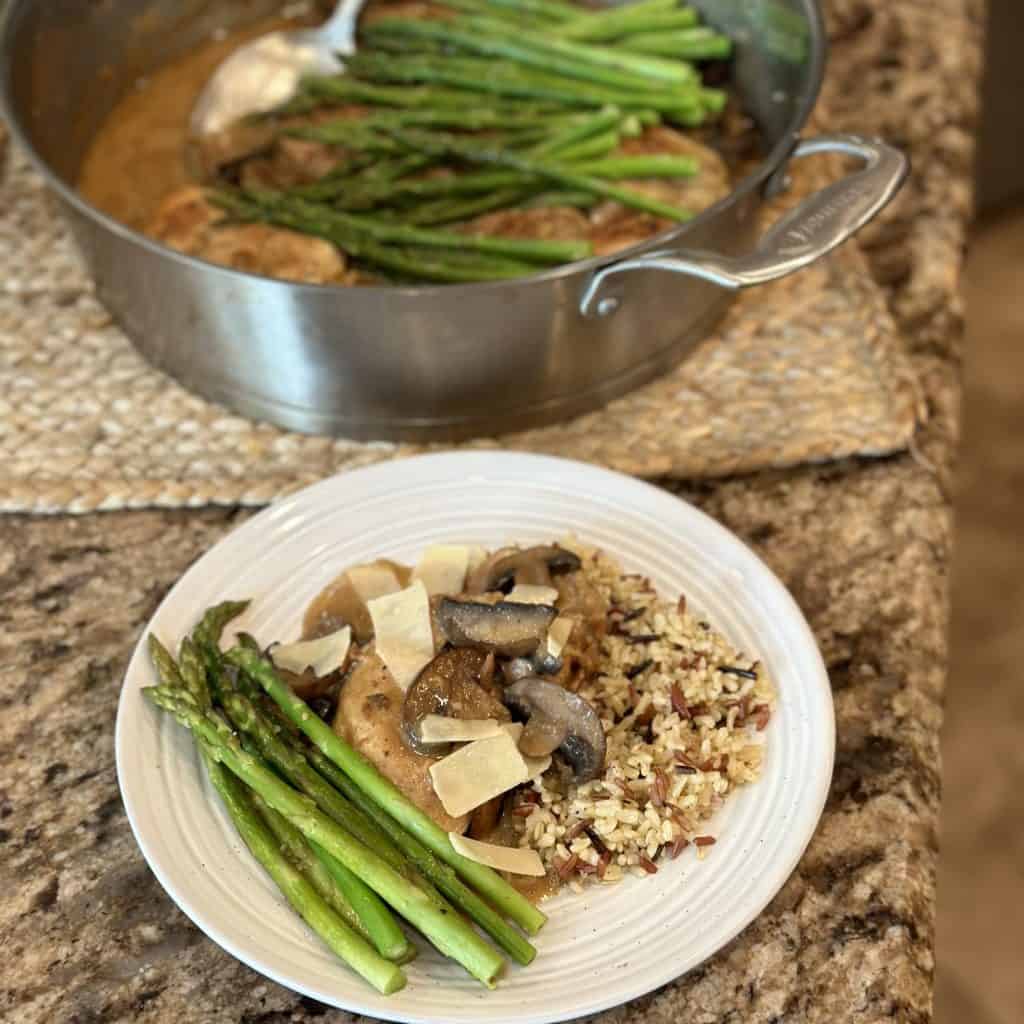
811	814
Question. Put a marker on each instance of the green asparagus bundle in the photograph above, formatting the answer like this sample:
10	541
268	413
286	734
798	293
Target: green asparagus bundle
503	104
347	849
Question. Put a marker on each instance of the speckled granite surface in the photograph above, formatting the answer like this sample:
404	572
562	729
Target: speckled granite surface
88	936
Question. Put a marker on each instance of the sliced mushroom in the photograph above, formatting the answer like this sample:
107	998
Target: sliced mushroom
516	669
485	818
343	601
450	686
308	685
509	566
513	630
543	663
558	719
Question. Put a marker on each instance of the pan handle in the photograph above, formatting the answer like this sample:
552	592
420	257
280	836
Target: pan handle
801	236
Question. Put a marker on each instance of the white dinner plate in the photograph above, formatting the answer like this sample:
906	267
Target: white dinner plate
612	943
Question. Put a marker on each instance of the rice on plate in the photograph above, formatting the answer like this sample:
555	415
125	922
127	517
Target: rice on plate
683	712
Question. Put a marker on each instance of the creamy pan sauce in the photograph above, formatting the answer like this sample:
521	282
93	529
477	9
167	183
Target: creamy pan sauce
140	153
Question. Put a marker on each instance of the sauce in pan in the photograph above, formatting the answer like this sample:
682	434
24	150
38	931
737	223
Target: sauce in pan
140	155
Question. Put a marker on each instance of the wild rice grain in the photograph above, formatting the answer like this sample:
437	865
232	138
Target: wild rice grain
595	839
636	670
732	670
678	846
566	868
678	701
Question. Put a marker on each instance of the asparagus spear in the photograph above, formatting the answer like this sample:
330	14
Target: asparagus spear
446	266
714	100
493	10
291	763
690	44
603	26
350	226
445	145
163	661
215	619
503	78
450	211
448	931
565	197
551	10
633	67
376	920
584	128
293	846
331	185
587	149
679	20
387	937
343	941
437	871
475	120
487	41
193	672
446	211
450	266
533	250
644	166
374	785
345	89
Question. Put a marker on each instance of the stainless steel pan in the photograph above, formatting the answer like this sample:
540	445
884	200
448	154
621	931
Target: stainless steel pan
439	362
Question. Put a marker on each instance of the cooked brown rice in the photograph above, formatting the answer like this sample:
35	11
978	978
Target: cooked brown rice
682	734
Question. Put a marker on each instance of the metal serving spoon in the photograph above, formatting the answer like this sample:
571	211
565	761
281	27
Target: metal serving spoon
265	73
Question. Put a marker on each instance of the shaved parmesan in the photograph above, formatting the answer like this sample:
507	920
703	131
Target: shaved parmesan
558	635
403	632
373	580
530	593
443	568
478	772
534	765
439	729
477	557
515	860
323	656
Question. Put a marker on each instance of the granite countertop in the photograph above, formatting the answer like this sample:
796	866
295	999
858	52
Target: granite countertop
88	934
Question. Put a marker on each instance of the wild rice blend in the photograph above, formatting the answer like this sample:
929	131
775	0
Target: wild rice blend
683	712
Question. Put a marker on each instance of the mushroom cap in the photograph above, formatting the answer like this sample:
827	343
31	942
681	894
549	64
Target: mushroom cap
504	627
449	685
509	566
563	713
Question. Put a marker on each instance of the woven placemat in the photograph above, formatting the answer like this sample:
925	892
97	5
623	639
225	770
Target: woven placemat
806	369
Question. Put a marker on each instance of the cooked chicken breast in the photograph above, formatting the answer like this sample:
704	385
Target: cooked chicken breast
614	227
369	716
187	221
558	223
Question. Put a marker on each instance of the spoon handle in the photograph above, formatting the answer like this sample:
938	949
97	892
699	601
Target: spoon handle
339	30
